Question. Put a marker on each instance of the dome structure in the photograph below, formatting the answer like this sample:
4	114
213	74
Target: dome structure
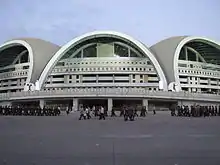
105	38
200	52
31	52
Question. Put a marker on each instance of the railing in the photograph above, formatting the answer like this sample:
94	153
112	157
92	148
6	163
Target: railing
110	92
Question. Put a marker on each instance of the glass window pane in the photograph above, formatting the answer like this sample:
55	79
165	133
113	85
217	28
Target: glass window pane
182	54
24	58
78	55
191	56
120	50
133	54
90	51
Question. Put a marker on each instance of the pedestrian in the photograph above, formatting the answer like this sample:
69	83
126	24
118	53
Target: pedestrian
88	113
136	110
125	113
82	113
102	113
113	112
154	110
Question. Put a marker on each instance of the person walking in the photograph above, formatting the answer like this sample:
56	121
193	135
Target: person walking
82	113
102	113
88	113
154	110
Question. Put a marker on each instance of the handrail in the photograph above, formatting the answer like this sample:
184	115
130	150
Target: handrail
113	92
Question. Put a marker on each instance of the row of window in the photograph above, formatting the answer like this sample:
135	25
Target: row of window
198	78
199	72
105	62
148	88
201	90
10	83
103	69
6	75
103	81
200	66
14	69
200	83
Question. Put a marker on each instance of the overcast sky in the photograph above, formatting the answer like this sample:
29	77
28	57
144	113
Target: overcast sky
147	20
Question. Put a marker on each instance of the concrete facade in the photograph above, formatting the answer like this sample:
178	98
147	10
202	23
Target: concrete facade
111	65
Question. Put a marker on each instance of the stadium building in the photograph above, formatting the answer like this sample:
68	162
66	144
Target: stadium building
111	69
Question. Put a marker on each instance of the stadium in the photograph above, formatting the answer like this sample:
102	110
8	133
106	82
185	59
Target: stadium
111	69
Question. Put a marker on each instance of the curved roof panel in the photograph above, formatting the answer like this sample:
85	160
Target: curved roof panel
164	52
168	50
98	34
40	53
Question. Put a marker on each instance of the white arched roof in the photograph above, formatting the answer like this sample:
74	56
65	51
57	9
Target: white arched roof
39	51
178	49
168	51
30	52
96	34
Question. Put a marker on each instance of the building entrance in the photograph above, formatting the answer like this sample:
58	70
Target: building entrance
119	103
93	102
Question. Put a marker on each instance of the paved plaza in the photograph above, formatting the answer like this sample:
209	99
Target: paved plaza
154	140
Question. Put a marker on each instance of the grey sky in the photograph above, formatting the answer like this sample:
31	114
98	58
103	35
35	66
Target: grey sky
147	20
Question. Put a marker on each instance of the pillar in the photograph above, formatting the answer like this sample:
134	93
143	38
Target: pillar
109	104
42	104
75	104
145	103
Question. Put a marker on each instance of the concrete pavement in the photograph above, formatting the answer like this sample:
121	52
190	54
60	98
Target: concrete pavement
153	140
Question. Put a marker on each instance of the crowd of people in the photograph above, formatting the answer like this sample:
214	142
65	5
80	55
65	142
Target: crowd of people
29	111
129	112
195	111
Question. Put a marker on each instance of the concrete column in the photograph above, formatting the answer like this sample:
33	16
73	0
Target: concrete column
42	104
110	104
145	103
75	104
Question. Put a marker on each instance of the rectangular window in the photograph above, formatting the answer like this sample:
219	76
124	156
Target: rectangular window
25	67
58	82
58	76
203	78
89	81
121	81
182	76
105	81
182	65
89	75
185	89
153	75
121	75
60	64
152	81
